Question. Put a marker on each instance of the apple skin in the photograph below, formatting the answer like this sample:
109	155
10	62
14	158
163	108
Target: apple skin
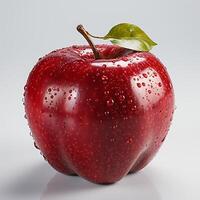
99	119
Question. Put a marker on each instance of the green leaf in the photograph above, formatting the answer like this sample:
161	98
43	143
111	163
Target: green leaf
130	36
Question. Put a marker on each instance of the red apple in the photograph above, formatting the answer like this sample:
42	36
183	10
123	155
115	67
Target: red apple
99	119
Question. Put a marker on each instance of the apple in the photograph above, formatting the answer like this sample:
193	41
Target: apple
99	111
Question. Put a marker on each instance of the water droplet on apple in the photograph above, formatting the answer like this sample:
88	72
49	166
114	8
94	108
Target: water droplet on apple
129	141
115	126
149	91
44	157
106	112
121	98
134	108
112	139
163	139
130	101
110	102
145	75
104	77
106	92
139	85
125	118
35	145
125	59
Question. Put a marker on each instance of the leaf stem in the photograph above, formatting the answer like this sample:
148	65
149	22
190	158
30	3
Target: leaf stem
86	35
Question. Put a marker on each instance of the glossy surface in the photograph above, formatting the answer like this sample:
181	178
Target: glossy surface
99	119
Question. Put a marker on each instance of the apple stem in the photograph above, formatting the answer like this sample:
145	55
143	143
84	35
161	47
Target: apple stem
86	35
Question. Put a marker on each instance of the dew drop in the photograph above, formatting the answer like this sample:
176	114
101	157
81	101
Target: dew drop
122	98
134	107
107	113
145	75
129	141
35	145
149	91
125	118
155	74
125	59
115	126
104	77
139	85
112	139
130	101
44	157
110	102
163	139
106	92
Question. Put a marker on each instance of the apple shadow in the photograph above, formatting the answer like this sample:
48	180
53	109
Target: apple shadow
28	184
35	184
133	186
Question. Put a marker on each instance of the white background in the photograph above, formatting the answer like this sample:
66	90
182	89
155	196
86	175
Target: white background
30	29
